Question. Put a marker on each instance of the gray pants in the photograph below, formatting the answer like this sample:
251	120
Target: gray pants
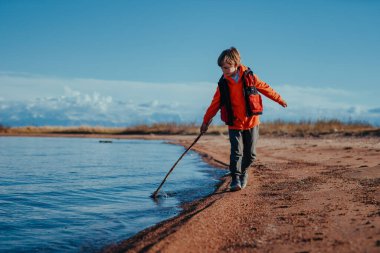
243	149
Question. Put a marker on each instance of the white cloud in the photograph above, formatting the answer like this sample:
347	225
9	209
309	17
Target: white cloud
310	103
316	97
75	108
26	87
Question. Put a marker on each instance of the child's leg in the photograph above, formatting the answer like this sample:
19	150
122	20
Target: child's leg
236	155
249	151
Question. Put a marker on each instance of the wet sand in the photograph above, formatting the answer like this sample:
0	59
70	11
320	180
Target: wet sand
303	195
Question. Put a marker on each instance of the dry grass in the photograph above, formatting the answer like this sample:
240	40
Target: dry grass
61	130
317	128
275	128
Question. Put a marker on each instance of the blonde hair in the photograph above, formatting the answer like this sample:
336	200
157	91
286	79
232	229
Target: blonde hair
230	56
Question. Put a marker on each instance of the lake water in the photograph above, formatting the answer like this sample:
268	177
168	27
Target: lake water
79	195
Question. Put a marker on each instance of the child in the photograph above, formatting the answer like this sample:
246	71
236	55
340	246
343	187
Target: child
240	104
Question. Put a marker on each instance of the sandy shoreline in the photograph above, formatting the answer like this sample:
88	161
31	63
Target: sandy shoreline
304	195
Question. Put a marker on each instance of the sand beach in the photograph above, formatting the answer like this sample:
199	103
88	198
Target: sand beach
304	195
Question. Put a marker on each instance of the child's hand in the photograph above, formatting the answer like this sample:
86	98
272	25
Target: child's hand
204	128
283	103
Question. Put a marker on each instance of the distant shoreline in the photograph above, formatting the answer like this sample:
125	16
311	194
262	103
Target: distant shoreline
276	129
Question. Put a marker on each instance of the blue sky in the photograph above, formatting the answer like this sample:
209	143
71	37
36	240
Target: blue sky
128	62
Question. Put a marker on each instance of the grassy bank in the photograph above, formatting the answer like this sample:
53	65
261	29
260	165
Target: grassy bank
275	128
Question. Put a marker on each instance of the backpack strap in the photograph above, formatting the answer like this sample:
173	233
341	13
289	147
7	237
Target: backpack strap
225	99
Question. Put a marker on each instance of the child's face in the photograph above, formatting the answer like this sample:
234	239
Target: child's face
229	69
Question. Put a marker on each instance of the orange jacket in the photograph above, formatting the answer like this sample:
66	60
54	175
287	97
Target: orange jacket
241	121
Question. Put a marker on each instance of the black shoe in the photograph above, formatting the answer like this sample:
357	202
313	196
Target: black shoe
235	183
244	179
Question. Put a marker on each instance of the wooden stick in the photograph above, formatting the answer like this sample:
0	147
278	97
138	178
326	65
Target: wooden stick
154	195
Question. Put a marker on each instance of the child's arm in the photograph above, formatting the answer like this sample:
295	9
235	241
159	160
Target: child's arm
266	90
211	111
